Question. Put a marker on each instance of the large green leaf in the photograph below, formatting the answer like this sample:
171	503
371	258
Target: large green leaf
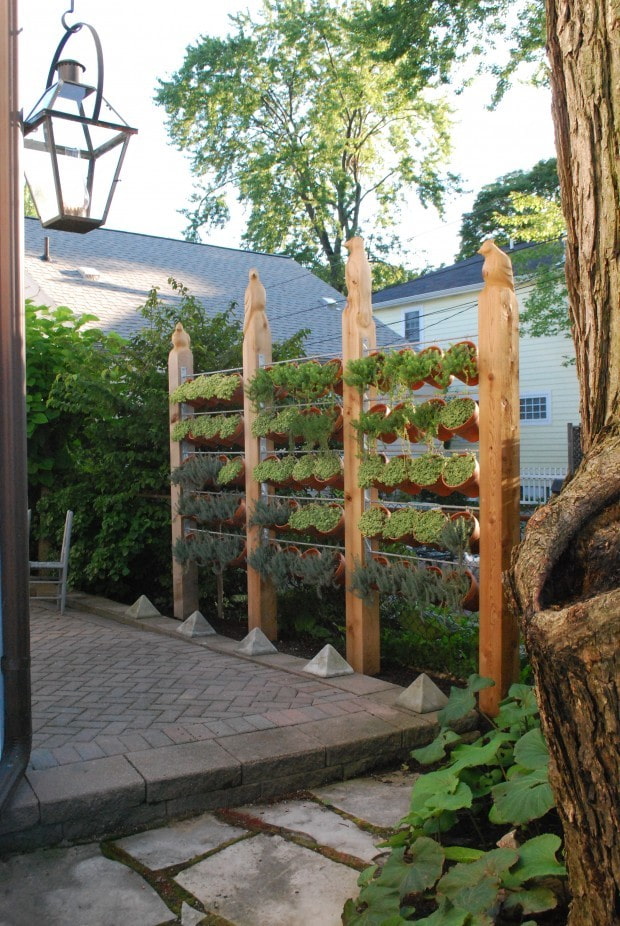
462	700
523	798
435	750
424	868
474	885
531	750
535	900
462	854
445	915
537	859
468	756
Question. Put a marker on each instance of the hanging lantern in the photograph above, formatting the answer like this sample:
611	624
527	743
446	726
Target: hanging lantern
74	145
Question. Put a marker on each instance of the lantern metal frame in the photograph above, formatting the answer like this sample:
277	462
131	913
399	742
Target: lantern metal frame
53	121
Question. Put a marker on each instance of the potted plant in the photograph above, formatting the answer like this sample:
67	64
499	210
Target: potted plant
365	372
328	471
272	512
327	519
397	473
196	471
429	526
232	472
371	469
373	521
209	389
275	470
460	416
401	525
210	429
426	471
303	471
461	474
461	360
436	376
469	527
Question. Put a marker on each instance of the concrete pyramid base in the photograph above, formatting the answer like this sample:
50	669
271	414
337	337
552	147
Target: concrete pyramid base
142	608
256	644
328	664
196	625
422	696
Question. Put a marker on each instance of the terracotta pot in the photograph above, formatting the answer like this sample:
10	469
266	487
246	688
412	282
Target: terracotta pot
293	506
339	568
239	516
474	537
337	530
430	379
236	439
469	487
464	377
336	481
241	558
338	385
239	480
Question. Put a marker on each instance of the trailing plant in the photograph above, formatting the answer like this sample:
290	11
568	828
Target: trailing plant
459	468
426	469
196	471
322	517
312	426
477	791
364	372
327	465
376	422
230	471
303	381
304	468
220	386
426	418
372	521
461	360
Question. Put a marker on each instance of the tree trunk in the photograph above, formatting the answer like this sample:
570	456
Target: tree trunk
565	578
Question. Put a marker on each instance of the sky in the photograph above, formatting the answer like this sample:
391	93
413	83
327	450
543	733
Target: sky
144	40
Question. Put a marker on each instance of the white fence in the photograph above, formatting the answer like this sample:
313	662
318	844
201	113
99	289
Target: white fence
536	482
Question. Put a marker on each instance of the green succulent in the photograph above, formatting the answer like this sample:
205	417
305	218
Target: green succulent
427	469
459	468
372	522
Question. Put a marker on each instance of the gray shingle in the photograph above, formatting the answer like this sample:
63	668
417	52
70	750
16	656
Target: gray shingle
129	265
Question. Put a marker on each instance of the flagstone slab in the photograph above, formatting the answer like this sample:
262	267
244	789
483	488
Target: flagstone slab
179	842
78	886
380	801
282	884
324	826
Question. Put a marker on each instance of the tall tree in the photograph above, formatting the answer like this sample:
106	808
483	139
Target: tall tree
513	207
307	128
566	574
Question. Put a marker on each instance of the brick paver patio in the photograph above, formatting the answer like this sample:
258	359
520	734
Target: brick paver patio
102	689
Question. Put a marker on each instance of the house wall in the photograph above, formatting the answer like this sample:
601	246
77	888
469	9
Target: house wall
545	379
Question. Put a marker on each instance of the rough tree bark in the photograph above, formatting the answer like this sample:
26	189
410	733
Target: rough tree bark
565	578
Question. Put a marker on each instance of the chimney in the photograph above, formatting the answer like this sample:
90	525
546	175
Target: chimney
46	249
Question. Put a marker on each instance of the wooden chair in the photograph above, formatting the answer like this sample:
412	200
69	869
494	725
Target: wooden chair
54	572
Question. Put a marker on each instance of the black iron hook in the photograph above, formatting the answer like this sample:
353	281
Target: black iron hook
77	26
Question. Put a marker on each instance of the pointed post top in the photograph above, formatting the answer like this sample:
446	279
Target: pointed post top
358	278
180	338
255	298
497	266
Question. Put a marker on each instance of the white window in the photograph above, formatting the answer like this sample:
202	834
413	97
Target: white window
413	326
535	408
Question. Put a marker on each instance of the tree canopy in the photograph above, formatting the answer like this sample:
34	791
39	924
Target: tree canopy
522	205
308	129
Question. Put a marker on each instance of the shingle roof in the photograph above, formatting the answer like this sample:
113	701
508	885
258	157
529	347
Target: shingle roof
128	265
464	273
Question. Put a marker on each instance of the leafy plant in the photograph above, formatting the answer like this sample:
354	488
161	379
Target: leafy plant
210	508
230	471
212	550
501	776
321	517
429	525
459	468
402	522
196	471
461	360
427	469
371	470
416	632
270	512
456	412
288	570
327	465
372	521
397	471
209	427
275	470
304	468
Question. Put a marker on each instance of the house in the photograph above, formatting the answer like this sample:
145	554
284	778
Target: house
441	307
110	273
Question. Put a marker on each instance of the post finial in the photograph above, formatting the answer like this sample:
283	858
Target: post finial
358	278
180	337
497	267
255	298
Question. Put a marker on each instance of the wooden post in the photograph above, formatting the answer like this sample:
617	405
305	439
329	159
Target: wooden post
262	603
184	579
358	336
498	345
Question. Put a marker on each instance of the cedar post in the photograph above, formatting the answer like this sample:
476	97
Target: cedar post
498	342
184	579
262	602
358	336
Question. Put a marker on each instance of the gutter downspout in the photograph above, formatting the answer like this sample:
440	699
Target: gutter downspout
16	726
